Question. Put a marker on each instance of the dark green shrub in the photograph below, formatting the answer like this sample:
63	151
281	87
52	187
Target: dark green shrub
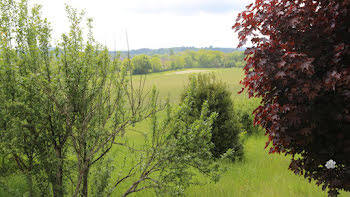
246	119
245	109
247	123
205	87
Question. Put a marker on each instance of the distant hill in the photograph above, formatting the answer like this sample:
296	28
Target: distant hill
169	51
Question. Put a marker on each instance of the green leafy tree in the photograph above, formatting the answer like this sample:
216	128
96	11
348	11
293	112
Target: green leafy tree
92	94
156	64
25	128
189	58
205	88
71	100
174	152
142	64
178	62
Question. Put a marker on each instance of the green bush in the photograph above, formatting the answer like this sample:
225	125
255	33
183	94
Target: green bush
247	120
244	109
205	87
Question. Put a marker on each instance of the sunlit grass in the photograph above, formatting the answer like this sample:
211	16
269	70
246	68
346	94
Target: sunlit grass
172	84
259	174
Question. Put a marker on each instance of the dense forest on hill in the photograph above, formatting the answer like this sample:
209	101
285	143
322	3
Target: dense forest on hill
172	50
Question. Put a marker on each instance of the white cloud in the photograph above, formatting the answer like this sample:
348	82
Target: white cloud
153	23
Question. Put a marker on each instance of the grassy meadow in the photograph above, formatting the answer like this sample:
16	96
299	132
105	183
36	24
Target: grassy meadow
259	174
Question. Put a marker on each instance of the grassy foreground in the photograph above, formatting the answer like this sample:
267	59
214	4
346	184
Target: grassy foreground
259	174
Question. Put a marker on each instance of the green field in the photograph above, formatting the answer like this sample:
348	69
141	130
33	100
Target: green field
172	82
259	174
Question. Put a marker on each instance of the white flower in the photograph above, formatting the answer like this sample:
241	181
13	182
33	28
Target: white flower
330	164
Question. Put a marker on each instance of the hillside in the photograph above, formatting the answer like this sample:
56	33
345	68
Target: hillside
172	50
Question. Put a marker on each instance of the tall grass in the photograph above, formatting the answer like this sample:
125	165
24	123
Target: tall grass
257	175
260	174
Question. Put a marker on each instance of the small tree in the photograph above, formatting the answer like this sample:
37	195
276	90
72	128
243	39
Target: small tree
97	98
74	99
205	87
299	66
173	153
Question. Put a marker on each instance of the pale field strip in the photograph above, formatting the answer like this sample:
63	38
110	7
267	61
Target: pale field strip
187	72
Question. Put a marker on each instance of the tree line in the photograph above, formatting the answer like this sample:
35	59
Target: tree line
143	64
168	51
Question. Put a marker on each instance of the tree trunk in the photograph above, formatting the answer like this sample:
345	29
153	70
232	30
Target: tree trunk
77	186
30	184
58	183
82	180
30	177
85	181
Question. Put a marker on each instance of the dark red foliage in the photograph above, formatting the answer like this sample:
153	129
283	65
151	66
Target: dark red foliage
300	66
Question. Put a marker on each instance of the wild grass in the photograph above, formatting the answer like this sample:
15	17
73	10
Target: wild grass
259	174
172	84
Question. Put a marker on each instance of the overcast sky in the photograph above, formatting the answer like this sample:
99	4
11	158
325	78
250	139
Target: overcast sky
153	23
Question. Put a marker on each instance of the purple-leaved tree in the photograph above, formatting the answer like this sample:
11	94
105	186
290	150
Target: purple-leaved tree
299	65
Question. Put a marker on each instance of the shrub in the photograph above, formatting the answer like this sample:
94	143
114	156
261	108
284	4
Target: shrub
247	123
246	118
205	87
299	66
173	154
187	150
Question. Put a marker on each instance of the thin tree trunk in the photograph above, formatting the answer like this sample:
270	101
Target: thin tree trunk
30	184
77	187
30	177
58	183
82	179
85	181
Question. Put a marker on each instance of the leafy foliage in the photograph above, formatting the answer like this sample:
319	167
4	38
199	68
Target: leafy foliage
299	66
62	111
70	100
173	153
23	106
246	117
144	64
205	88
188	148
247	123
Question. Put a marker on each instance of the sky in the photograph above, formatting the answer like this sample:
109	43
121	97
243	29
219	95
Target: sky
152	23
